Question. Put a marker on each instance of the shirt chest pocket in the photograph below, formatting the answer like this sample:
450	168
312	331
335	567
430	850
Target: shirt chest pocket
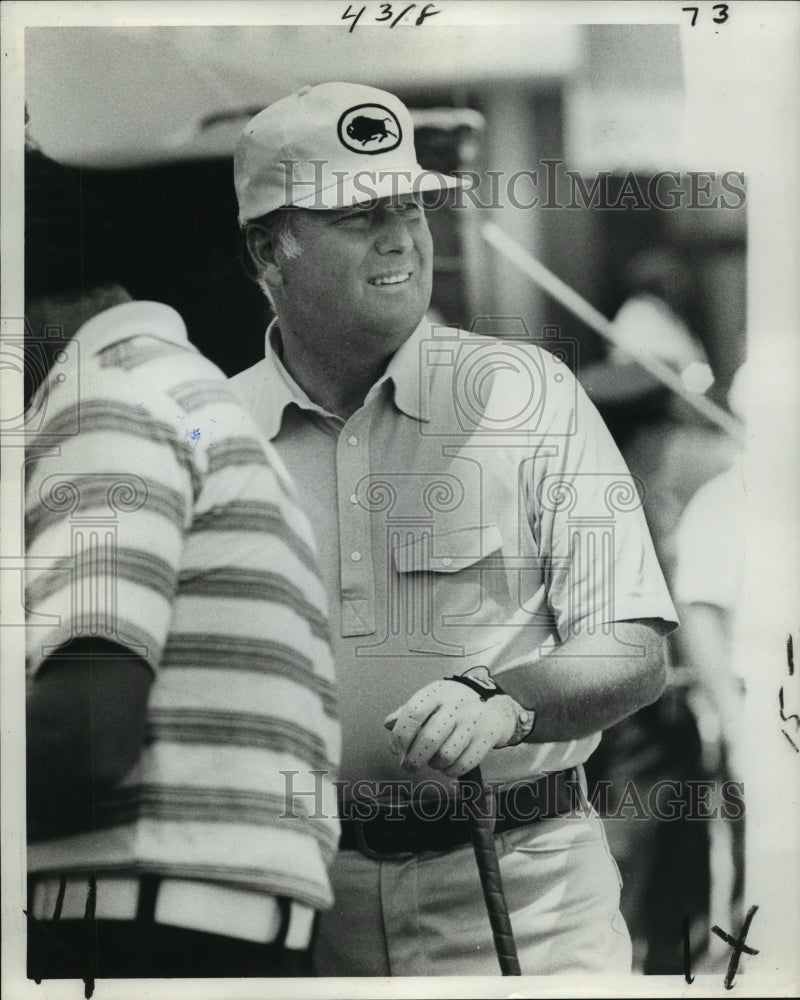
451	589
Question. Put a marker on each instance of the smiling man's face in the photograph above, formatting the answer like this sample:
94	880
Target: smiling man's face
364	274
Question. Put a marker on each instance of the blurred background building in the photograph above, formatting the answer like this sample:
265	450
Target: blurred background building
151	115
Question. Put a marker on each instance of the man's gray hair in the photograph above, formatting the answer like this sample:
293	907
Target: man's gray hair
282	241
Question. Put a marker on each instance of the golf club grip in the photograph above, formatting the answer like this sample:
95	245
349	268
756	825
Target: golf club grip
481	830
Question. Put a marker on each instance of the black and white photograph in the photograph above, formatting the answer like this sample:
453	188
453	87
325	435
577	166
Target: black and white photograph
400	481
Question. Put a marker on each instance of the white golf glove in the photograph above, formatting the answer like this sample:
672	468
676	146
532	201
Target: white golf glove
450	727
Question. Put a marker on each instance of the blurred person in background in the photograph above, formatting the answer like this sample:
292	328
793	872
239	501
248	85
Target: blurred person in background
673	451
177	648
424	523
708	583
663	440
652	319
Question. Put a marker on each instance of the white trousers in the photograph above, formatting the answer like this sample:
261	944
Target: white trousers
426	917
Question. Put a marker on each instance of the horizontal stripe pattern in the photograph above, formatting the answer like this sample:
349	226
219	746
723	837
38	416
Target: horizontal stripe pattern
253	584
140	640
251	730
143	568
93	496
134	352
207	650
200	393
108	414
234	451
173	804
117	420
253	517
212	578
267	864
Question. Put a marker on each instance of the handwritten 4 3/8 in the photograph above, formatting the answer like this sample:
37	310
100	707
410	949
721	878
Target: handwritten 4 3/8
388	14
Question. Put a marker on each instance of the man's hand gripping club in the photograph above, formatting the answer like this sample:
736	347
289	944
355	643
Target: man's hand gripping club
452	724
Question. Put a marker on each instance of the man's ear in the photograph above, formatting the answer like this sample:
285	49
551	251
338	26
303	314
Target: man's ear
262	253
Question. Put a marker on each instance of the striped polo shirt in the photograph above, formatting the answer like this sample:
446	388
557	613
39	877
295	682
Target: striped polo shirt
158	517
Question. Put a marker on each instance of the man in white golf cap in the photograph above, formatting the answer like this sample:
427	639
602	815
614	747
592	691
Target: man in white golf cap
365	150
475	523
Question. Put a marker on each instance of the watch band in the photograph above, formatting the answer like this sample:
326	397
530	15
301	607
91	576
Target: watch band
487	687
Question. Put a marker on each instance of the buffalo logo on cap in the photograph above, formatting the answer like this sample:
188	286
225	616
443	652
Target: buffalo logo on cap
370	128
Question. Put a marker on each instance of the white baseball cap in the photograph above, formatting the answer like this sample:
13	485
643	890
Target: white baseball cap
326	147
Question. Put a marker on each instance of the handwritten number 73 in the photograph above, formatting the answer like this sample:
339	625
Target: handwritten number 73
721	17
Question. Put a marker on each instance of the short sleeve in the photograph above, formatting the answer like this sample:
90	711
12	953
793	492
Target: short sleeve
105	513
600	563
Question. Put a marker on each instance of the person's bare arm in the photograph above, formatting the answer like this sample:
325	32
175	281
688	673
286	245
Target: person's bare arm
580	689
705	640
585	687
86	713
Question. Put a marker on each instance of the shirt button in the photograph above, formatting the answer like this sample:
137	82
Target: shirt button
353	498
447	562
352	440
355	556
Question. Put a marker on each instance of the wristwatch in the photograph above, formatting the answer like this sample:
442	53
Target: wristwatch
482	682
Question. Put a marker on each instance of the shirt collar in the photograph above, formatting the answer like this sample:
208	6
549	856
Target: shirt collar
411	384
279	389
124	321
411	391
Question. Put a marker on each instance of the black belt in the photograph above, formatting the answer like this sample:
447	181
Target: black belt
404	829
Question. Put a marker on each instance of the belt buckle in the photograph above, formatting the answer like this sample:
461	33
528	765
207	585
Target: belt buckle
373	855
